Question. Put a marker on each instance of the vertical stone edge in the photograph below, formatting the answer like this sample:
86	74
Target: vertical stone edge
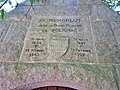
93	37
115	75
24	42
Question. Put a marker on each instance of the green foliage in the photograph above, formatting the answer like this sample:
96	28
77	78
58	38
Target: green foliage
2	14
112	3
2	0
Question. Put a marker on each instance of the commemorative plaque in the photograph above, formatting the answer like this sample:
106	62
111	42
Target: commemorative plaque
59	38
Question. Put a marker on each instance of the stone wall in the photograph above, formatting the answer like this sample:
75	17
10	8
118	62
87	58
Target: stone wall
99	69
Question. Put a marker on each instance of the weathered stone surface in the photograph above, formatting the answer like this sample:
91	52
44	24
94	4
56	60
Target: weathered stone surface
103	32
4	28
59	40
17	32
116	29
92	2
45	10
84	10
10	51
106	44
117	75
67	10
54	10
108	53
39	3
57	10
70	2
96	77
55	2
103	13
98	38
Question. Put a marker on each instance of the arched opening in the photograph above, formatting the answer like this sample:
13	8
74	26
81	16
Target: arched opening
54	88
52	85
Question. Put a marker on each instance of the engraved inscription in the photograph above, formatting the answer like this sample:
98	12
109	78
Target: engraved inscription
58	38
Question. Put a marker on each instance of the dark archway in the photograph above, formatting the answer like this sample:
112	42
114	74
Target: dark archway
54	88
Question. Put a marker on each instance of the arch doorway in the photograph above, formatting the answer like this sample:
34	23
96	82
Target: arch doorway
53	88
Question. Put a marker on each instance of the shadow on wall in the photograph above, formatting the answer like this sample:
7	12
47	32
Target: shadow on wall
54	88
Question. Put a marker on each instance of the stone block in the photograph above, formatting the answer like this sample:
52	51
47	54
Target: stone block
108	53
116	29
92	2
38	3
17	32
55	2
70	2
59	40
59	10
116	71
45	10
103	32
83	10
67	10
106	45
103	13
4	28
10	51
26	75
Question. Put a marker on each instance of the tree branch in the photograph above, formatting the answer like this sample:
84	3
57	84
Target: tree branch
28	10
3	4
